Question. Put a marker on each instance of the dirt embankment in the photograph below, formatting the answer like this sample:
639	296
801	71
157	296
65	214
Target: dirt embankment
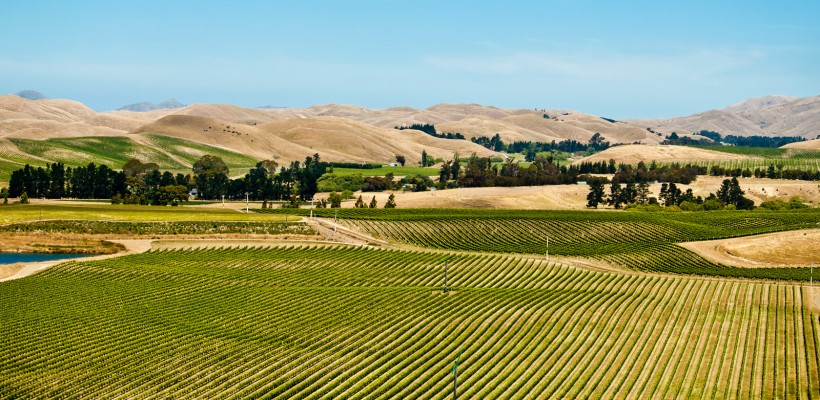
20	270
42	243
781	249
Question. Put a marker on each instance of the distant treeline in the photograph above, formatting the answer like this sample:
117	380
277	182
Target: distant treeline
431	130
596	143
718	140
771	172
351	165
140	183
544	171
728	196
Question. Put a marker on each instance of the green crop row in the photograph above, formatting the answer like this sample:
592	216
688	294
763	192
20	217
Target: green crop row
353	322
160	228
638	241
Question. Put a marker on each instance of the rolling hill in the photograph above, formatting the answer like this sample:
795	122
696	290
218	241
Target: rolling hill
340	132
763	116
633	153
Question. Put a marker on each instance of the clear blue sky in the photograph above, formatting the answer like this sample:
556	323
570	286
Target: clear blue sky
618	59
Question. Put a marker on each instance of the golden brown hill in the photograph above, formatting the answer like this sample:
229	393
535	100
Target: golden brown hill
634	153
243	138
43	119
340	139
335	139
813	144
227	112
766	116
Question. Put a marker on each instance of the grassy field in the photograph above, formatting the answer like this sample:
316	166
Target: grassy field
107	212
634	240
352	322
177	155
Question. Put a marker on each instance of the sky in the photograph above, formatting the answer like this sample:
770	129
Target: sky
618	59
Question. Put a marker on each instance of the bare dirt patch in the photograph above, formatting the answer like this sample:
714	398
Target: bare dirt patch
782	249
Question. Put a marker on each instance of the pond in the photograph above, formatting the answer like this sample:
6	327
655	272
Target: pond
11	258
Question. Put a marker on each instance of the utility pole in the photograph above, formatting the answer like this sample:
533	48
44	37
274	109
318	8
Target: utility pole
548	249
446	268
455	374
247	203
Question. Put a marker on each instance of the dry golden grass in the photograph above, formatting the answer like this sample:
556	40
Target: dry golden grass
813	144
634	153
791	249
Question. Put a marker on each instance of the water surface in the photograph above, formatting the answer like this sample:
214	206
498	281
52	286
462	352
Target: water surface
11	258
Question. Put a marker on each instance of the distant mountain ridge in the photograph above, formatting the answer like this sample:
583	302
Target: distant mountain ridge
761	116
350	133
148	106
31	95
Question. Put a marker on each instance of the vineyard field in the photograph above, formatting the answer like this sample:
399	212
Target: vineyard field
637	241
160	228
355	322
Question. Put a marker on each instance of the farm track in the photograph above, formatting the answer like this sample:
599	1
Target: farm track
336	321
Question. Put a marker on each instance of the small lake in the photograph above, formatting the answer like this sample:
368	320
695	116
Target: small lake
11	258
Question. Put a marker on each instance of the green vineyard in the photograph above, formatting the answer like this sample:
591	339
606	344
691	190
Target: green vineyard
637	241
159	228
354	322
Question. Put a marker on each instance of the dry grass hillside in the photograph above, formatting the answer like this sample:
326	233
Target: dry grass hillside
340	139
633	153
341	132
335	139
245	139
766	116
813	144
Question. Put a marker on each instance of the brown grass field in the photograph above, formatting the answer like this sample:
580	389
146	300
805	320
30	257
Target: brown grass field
782	249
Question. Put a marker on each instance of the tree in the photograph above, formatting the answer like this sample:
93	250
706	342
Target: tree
391	201
723	194
24	198
400	159
360	203
642	193
335	200
424	158
615	198
530	154
455	166
373	203
5	193
211	176
596	193
444	173
731	193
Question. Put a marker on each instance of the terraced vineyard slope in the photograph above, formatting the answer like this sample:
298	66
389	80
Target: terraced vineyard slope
351	322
